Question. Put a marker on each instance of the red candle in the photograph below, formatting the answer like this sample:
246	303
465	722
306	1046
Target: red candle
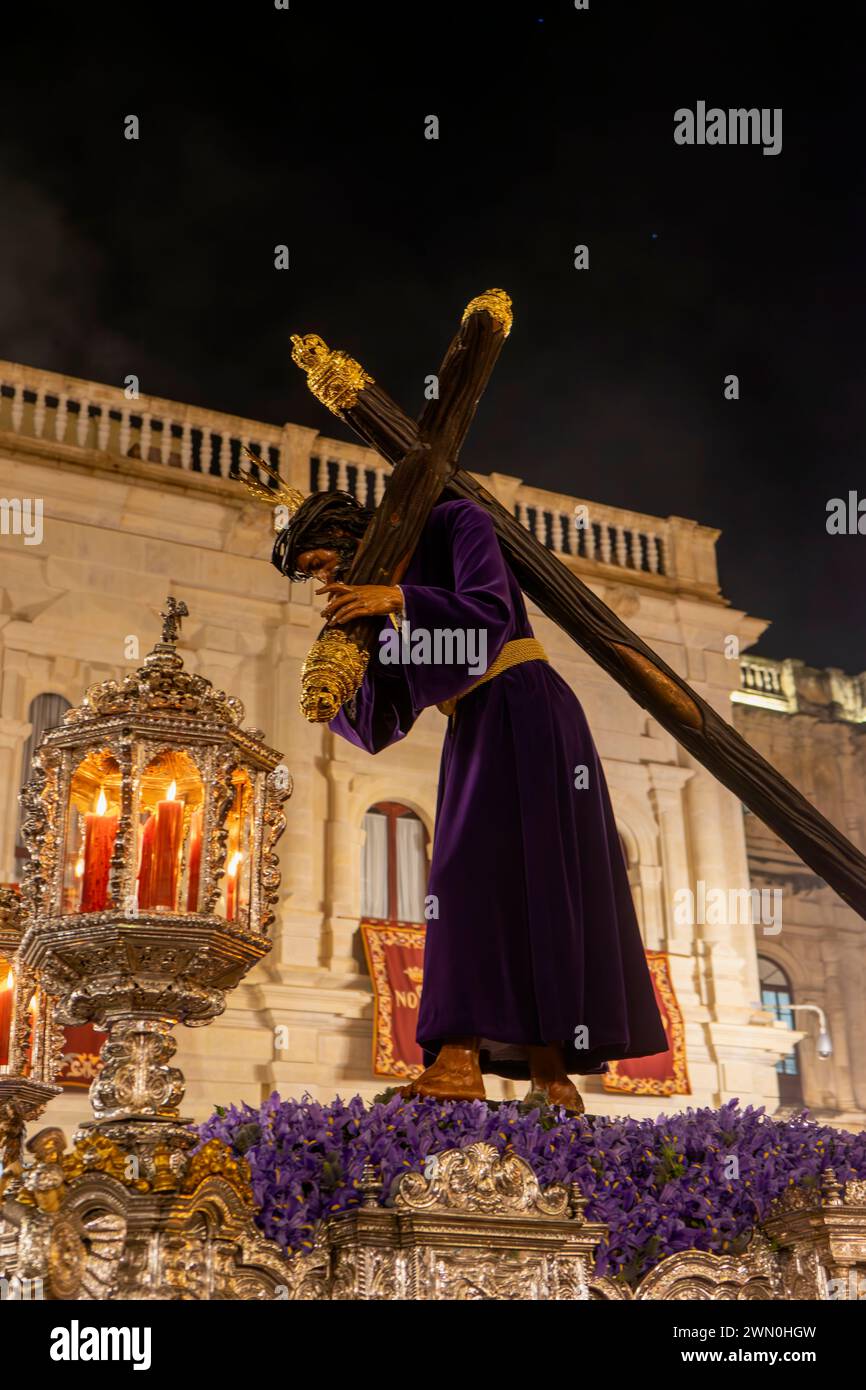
7	986
195	828
145	861
232	887
166	850
100	831
31	1031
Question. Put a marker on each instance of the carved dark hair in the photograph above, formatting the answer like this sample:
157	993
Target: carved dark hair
324	521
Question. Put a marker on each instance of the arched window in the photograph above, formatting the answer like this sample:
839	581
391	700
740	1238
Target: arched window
777	998
45	713
393	864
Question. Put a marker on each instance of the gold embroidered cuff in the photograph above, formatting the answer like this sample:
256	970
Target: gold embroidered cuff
332	672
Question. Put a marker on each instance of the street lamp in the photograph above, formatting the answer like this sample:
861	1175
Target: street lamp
825	1042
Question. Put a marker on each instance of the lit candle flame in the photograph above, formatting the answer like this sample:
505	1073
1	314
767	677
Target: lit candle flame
10	980
234	864
31	1007
101	802
172	792
79	866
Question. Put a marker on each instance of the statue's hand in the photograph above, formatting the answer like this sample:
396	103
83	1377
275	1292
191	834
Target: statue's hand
348	601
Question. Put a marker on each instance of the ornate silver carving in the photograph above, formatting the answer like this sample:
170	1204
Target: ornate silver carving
135	1077
108	1241
181	1230
137	971
478	1227
480	1179
696	1275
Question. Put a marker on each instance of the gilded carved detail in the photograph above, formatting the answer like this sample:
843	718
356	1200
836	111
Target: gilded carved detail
480	1179
332	672
497	304
333	377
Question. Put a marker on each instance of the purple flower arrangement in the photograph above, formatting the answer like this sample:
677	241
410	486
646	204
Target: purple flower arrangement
698	1179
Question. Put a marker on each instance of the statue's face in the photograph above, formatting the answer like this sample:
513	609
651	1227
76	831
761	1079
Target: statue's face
319	564
324	562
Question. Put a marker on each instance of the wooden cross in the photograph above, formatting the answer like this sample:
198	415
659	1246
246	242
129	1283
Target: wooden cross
335	666
425	455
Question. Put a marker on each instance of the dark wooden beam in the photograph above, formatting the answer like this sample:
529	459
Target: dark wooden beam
338	657
562	596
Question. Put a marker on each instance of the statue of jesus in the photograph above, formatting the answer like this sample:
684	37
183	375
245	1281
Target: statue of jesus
534	967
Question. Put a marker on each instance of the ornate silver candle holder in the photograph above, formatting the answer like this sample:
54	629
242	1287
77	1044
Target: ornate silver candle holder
151	819
32	1043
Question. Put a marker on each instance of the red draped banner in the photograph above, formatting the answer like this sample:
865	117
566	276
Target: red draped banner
395	959
665	1073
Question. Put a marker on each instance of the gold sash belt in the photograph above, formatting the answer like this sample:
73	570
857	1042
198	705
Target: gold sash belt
512	654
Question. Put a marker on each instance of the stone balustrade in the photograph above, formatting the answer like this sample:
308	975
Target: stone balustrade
792	687
763	676
66	411
592	531
579	529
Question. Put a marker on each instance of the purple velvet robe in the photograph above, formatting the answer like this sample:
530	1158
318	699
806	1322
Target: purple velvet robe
536	934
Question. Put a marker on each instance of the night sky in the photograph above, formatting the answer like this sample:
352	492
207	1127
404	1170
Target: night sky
306	127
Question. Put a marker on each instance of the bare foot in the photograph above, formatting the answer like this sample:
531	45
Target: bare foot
455	1075
566	1094
547	1070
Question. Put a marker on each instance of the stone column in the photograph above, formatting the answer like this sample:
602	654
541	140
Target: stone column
14	732
504	488
343	841
666	797
806	974
852	793
651	911
296	445
300	920
691	557
719	861
841	1063
666	794
13	736
853	976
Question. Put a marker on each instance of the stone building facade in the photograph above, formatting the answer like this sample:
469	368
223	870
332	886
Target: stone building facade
811	724
137	502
